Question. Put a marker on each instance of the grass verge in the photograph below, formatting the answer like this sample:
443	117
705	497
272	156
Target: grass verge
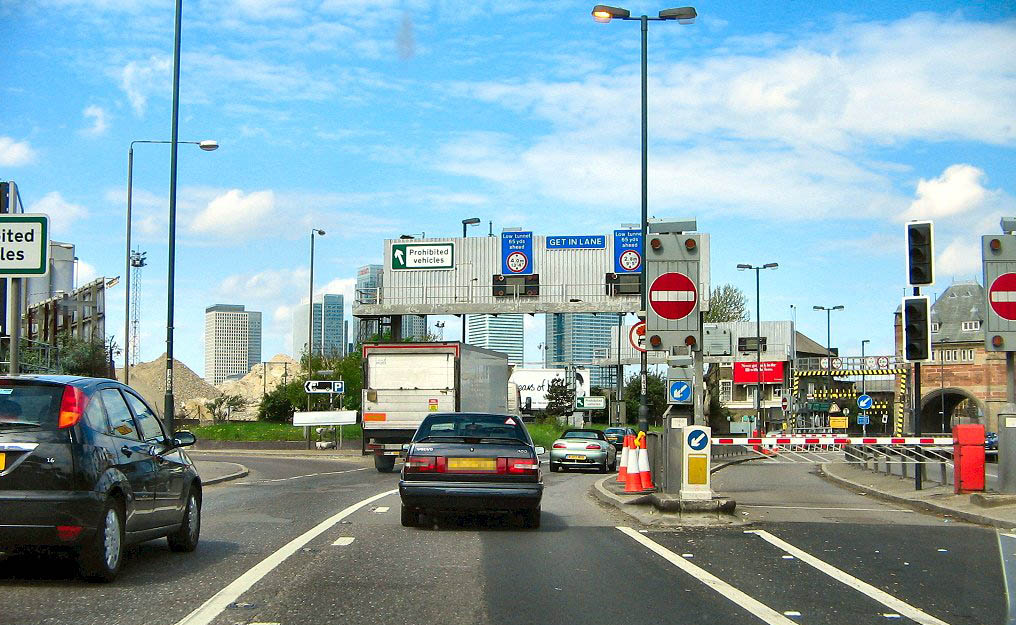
262	431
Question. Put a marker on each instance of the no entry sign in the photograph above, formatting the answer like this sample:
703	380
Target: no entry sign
1002	296
673	296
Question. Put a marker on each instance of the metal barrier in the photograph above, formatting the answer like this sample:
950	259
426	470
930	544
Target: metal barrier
855	450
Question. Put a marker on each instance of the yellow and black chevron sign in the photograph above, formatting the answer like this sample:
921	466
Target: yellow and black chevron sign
827	372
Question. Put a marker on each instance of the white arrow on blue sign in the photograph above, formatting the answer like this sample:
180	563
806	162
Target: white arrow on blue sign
680	392
864	402
697	440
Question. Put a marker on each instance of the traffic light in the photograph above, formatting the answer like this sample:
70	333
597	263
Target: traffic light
998	254
920	253
675	263
916	329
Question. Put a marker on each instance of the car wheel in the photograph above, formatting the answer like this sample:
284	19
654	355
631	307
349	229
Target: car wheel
410	517
101	558
531	518
384	464
185	539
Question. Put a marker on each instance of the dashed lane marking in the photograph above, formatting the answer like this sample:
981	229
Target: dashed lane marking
343	541
889	601
297	477
743	600
207	611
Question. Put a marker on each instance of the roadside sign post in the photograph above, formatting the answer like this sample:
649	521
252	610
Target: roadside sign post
998	254
864	402
24	253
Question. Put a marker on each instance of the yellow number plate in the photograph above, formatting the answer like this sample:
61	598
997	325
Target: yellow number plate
574	457
474	464
3	461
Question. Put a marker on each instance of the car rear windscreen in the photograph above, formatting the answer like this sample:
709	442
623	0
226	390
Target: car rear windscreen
29	405
471	426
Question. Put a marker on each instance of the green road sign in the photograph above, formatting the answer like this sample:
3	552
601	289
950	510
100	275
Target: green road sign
423	256
594	402
24	245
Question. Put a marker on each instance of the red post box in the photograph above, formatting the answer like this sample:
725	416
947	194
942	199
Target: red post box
968	458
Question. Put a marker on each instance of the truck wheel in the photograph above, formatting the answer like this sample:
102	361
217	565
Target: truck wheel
384	464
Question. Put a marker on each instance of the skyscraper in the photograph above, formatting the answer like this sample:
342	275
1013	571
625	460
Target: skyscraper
328	321
579	338
232	341
368	285
502	333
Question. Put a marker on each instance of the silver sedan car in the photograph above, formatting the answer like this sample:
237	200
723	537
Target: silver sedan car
583	449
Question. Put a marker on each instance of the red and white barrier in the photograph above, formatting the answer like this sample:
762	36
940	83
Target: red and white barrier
835	440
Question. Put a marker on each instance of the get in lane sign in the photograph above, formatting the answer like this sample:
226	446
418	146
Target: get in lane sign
673	296
1002	296
24	245
423	256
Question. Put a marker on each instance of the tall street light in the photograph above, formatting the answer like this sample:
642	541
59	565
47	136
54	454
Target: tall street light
169	410
758	340
310	324
828	341
684	15
207	145
472	221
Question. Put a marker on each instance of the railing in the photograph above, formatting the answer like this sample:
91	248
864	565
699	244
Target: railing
483	293
33	356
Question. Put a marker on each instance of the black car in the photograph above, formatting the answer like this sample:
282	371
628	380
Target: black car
85	464
616	436
472	462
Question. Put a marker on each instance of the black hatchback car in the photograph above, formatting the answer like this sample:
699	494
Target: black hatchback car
85	464
469	462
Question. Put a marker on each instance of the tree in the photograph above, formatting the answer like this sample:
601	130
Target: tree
221	406
656	395
727	303
560	398
279	404
84	357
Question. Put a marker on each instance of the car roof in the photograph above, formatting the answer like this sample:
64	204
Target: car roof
78	381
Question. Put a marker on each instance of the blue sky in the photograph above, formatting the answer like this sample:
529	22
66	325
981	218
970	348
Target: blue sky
805	136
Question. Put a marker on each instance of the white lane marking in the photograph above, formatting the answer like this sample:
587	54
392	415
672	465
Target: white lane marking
343	541
207	611
297	477
381	509
823	508
889	601
739	598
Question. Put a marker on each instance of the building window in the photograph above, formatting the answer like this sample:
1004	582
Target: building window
970	326
725	390
934	326
777	392
968	355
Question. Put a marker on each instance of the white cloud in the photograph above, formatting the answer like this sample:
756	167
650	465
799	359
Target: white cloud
283	314
99	122
962	257
139	78
62	214
15	153
265	285
339	286
235	215
86	272
958	190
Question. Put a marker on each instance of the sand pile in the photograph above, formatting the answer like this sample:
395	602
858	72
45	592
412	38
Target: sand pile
263	378
189	389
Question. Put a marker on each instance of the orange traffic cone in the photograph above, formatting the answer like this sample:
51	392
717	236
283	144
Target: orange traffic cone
622	471
632	481
645	471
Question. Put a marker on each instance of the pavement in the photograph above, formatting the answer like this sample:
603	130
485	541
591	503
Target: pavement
213	472
934	497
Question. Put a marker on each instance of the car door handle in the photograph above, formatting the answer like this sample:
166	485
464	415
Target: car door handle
125	450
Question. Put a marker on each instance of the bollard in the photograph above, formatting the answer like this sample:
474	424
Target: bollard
968	458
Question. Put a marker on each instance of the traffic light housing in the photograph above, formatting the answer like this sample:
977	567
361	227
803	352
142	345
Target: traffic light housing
920	253
916	328
998	256
686	254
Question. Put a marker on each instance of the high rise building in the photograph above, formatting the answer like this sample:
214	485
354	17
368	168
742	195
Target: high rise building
368	285
232	341
502	333
414	327
328	322
577	339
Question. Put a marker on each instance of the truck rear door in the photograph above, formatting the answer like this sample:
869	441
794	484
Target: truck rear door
403	388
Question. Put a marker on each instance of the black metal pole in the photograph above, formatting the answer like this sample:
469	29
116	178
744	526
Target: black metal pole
758	353
829	358
643	423
463	314
918	467
169	408
620	369
127	273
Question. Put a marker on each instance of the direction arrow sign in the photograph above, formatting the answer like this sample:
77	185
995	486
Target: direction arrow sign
637	336
864	402
673	296
590	402
324	386
698	439
679	393
423	256
1002	296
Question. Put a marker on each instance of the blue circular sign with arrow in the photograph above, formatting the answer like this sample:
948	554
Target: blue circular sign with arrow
864	402
697	440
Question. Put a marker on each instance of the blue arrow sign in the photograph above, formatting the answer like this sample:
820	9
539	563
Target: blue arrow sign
697	440
680	391
864	402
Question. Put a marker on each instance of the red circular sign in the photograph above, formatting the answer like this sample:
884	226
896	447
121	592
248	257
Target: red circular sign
517	262
784	404
637	336
1002	296
673	296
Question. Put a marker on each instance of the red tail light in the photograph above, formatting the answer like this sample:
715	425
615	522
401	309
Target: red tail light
421	464
593	446
560	446
522	466
72	406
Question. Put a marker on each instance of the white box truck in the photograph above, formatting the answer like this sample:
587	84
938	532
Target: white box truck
404	382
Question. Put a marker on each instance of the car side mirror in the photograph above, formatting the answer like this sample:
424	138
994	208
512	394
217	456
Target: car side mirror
540	451
184	438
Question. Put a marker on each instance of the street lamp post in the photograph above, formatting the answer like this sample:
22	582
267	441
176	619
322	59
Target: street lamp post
310	323
472	221
759	422
828	341
208	146
684	15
